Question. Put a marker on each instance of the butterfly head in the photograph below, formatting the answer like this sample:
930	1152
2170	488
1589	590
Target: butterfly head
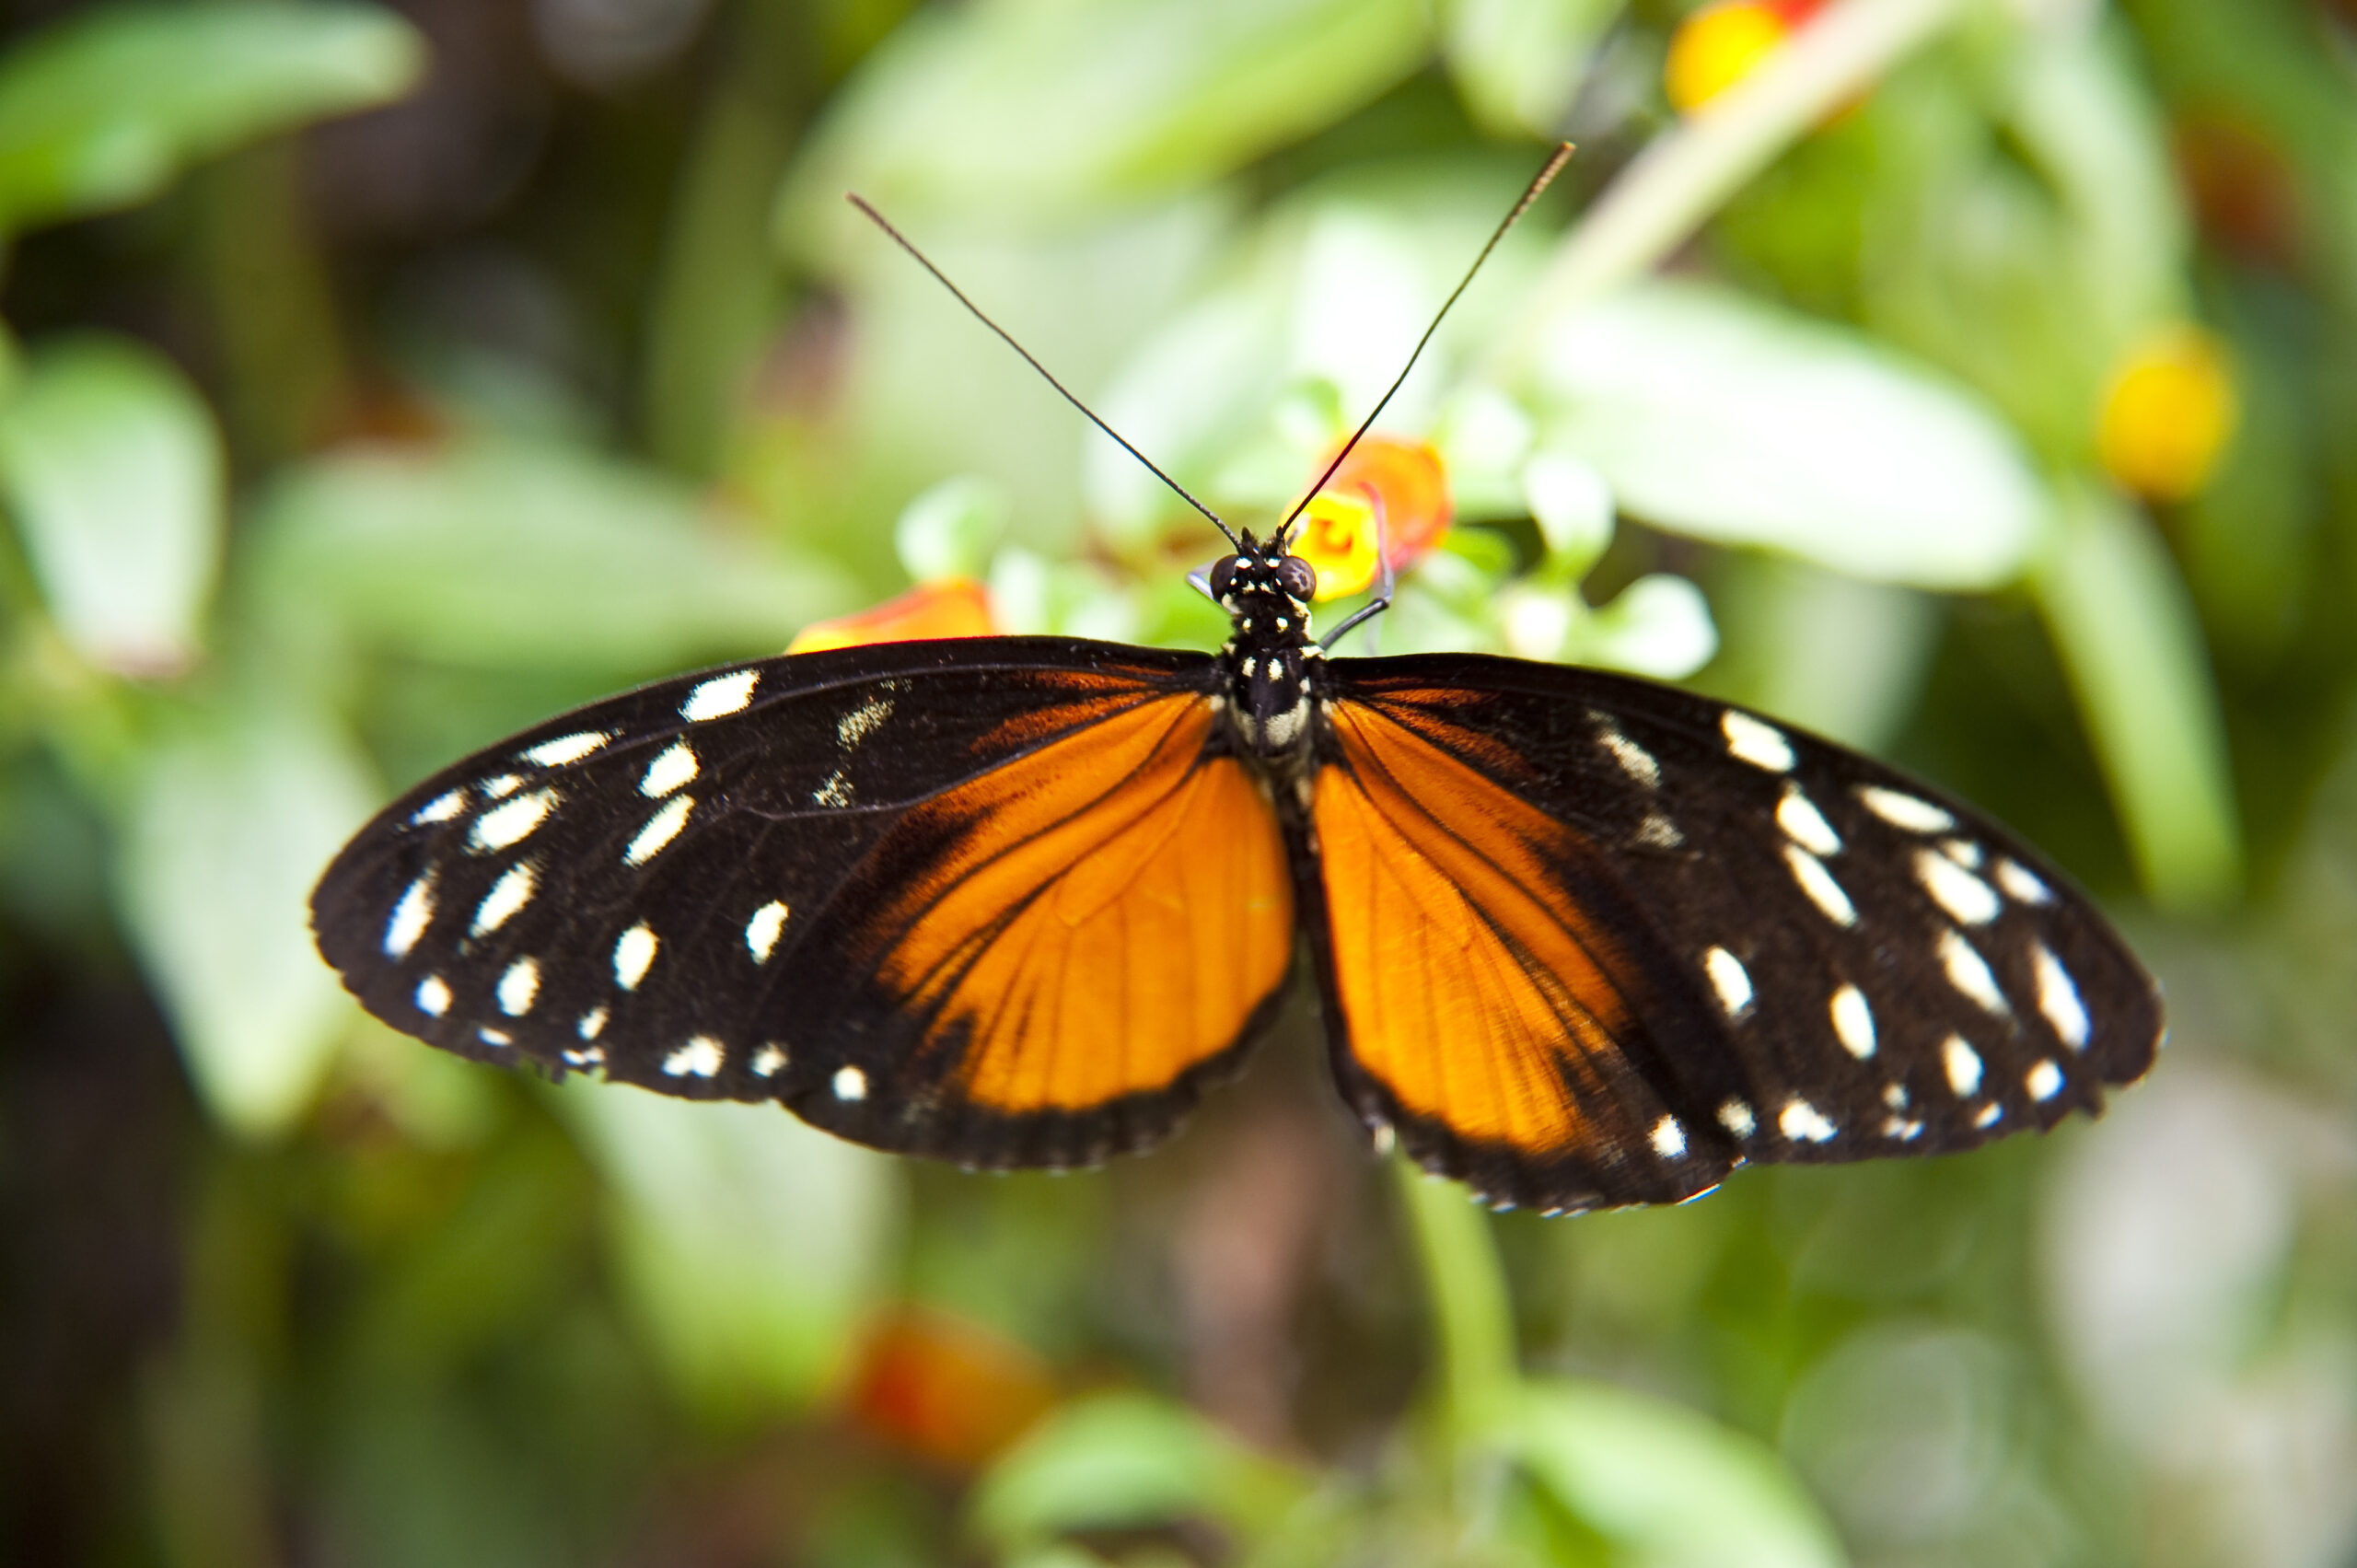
1266	592
1263	571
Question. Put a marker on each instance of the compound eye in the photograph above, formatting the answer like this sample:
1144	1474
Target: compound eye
1223	574
1297	577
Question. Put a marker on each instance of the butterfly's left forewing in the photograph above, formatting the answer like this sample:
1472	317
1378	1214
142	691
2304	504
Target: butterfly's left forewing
952	898
1590	941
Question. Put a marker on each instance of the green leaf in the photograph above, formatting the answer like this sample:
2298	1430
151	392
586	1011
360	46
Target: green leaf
104	110
1058	106
2087	118
112	469
1843	657
517	554
1518	63
1125	1461
1715	415
950	529
1659	625
2131	645
750	1242
1573	508
2026	255
228	826
1665	1485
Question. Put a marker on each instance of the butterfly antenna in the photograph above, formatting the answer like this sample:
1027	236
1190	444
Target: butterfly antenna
1563	155
941	277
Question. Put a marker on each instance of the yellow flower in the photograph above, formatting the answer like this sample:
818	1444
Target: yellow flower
2167	413
1389	492
1338	537
1719	46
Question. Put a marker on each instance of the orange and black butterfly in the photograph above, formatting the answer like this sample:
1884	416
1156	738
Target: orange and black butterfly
1580	940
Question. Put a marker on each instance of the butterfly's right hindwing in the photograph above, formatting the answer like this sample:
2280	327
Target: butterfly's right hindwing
1592	941
789	880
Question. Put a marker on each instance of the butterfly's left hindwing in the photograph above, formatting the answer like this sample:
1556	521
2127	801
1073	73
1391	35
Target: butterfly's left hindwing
1588	941
907	891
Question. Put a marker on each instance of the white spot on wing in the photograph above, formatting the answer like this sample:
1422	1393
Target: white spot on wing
441	808
720	696
593	1057
2043	1081
592	1024
510	893
675	765
1736	1117
1853	1022
1803	1122
836	791
849	1084
509	824
1383	1139
501	787
1657	832
410	917
2020	882
1902	1127
1989	1114
701	1058
1968	899
1903	810
1968	972
1963	1065
633	954
518	986
857	725
1669	1138
432	996
1963	851
767	1061
2058	997
1729	978
762	931
1804	824
1819	884
568	749
495	1036
660	830
1634	760
1756	742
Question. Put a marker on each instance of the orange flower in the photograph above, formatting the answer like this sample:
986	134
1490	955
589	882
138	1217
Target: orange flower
1387	489
2167	413
948	1389
1724	42
954	607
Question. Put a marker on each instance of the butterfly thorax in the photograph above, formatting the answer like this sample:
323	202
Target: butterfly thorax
1269	653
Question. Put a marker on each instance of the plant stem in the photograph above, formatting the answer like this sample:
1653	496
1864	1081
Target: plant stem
1472	1319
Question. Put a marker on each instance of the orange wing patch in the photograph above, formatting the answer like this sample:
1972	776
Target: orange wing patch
1475	990
1113	907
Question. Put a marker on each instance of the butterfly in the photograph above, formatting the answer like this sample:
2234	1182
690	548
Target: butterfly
1579	940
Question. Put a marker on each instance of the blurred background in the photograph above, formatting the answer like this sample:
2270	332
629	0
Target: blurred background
1973	380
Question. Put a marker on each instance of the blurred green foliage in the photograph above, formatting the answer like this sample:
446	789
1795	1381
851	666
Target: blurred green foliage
547	359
